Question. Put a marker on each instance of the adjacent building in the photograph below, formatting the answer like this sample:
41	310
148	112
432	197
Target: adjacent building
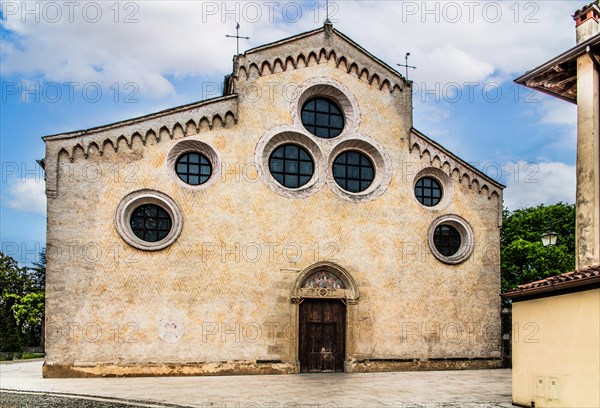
556	321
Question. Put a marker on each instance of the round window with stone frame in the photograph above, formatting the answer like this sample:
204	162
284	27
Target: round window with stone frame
359	169
193	168
291	165
148	220
446	239
428	191
193	164
451	239
353	171
322	117
433	188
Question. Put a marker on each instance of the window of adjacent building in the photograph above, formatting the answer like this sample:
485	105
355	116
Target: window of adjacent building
446	239
193	168
428	191
353	171
322	117
150	222
291	165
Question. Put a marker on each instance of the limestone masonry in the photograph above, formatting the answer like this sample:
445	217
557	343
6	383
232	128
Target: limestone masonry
296	224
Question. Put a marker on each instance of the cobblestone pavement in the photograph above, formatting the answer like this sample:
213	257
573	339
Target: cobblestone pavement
23	386
43	400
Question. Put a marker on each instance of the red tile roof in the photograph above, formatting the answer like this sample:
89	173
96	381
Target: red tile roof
580	278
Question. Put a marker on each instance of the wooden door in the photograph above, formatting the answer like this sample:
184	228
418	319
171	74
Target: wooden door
322	335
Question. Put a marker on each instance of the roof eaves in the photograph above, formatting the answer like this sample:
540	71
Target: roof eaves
283	41
554	284
138	119
552	288
371	56
341	35
572	53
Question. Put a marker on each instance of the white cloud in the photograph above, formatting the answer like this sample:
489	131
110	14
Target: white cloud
557	112
472	47
449	41
531	184
27	195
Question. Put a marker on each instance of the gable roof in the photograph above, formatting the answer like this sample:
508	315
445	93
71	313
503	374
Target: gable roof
581	279
327	27
190	107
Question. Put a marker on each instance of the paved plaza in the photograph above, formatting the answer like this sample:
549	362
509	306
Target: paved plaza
457	389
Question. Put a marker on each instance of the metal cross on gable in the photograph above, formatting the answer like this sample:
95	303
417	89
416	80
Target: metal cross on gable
405	65
237	37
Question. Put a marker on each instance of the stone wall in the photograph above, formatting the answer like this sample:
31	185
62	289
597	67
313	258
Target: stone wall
219	300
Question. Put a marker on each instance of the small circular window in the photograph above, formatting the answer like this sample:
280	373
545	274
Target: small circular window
353	171
148	220
451	239
446	239
322	117
193	168
150	223
291	165
428	191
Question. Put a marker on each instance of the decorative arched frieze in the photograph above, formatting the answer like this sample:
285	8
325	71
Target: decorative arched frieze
164	133
323	56
177	131
253	71
247	69
301	61
375	81
348	290
173	123
278	66
438	157
191	128
218	121
63	155
332	56
290	63
78	151
265	68
139	137
152	137
230	119
108	144
92	149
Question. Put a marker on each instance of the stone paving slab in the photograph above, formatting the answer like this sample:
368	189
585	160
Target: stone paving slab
424	389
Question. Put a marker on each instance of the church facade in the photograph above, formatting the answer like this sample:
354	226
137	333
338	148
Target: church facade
298	223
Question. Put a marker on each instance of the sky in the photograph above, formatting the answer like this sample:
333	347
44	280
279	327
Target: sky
67	66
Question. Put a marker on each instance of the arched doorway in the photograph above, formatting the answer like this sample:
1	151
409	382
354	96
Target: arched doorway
322	293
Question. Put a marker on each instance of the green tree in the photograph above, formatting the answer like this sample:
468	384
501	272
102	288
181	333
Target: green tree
32	308
13	281
21	304
28	311
38	272
524	258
